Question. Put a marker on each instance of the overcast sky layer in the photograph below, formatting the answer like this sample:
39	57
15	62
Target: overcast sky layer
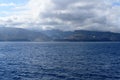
102	15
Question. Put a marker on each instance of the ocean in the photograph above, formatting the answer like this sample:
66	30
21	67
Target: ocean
59	61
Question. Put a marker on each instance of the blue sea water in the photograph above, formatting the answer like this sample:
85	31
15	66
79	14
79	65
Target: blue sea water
60	61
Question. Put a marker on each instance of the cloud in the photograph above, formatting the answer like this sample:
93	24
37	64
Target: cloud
66	15
84	14
7	4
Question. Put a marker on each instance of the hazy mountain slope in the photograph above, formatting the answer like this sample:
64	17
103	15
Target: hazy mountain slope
57	34
17	34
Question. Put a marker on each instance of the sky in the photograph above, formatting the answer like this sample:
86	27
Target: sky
100	15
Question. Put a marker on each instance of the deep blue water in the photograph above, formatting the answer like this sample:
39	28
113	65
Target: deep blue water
60	61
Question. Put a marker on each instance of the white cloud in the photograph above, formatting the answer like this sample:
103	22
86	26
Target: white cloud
7	4
65	15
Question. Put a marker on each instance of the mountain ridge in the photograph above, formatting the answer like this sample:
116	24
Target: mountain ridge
19	34
83	35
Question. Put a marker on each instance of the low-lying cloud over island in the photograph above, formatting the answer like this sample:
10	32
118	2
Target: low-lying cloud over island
102	15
